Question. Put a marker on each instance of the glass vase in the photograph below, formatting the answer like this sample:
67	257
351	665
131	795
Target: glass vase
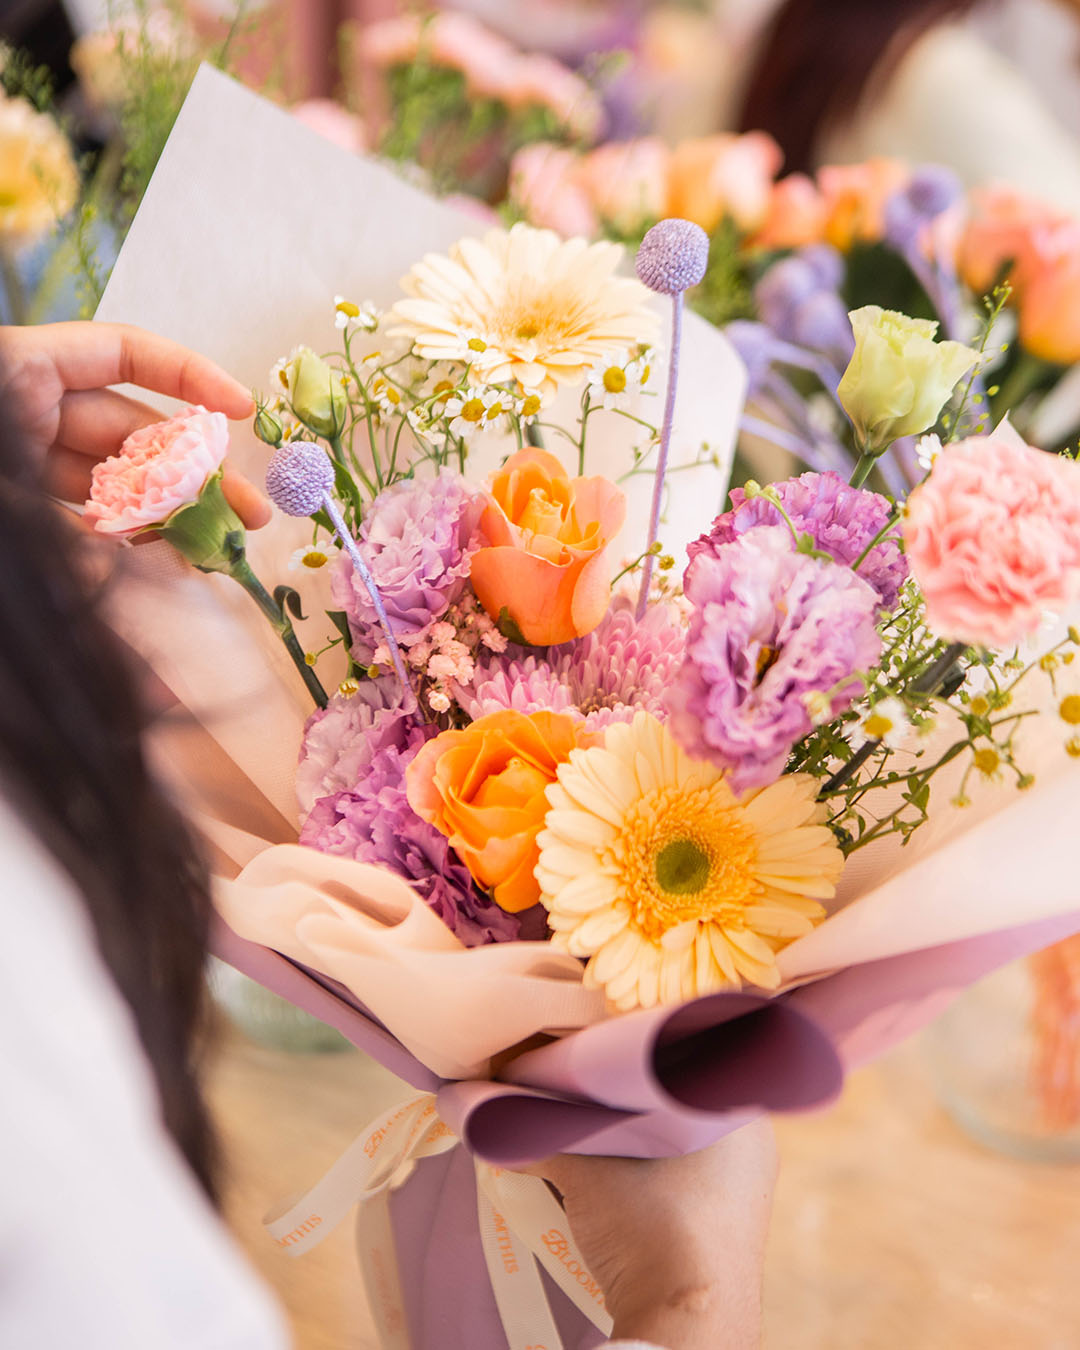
1005	1057
268	1019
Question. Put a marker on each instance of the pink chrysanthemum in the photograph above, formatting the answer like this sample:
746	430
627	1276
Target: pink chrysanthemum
620	667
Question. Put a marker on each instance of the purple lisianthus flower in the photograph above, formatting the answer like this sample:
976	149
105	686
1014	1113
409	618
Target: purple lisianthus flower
840	519
374	823
770	627
341	740
418	539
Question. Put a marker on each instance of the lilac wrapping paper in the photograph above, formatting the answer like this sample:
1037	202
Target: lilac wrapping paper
646	1085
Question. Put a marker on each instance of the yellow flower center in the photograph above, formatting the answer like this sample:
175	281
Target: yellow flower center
1073	747
987	761
348	687
314	557
766	659
496	410
1070	709
392	396
685	855
525	332
473	409
877	726
476	344
531	405
614	379
347	307
980	706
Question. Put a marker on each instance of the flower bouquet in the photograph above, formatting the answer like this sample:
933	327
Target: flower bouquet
596	852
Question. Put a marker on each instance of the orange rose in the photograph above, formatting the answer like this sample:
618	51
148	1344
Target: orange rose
1006	226
484	788
1049	304
546	566
855	197
795	215
724	175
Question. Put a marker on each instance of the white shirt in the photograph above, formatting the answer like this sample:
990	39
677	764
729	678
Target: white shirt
106	1241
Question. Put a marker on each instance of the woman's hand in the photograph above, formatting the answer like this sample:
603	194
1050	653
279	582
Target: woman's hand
676	1244
58	375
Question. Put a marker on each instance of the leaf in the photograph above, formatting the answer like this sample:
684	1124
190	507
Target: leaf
285	597
340	620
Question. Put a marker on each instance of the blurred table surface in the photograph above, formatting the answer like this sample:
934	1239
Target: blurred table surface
892	1229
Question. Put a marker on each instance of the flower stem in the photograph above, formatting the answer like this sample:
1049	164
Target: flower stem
927	683
279	621
662	457
861	472
893	516
13	288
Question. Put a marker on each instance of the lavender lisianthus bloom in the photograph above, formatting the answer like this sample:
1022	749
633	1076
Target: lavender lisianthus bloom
374	823
417	538
341	740
840	519
770	626
797	299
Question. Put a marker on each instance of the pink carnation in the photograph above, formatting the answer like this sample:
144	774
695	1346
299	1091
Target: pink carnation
544	184
993	538
159	469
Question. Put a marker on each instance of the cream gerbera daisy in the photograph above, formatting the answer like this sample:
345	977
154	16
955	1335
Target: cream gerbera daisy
523	304
671	885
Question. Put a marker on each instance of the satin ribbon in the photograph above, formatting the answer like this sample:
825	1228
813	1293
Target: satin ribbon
522	1227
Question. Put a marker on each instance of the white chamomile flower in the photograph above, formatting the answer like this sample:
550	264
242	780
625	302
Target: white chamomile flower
528	406
313	556
467	411
639	371
610	385
927	449
386	395
818	707
887	722
421	422
498	405
347	312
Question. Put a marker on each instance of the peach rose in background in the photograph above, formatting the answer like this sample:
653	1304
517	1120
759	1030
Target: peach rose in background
484	788
855	197
795	215
993	538
547	565
1050	302
333	122
626	182
1004	226
720	175
544	185
159	469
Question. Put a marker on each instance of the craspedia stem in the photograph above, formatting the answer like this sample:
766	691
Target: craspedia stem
672	258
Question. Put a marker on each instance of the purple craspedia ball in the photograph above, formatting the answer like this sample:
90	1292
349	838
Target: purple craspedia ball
298	477
673	256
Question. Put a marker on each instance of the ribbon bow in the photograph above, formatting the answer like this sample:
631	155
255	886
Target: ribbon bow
522	1227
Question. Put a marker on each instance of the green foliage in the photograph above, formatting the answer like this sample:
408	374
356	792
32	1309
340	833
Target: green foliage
725	291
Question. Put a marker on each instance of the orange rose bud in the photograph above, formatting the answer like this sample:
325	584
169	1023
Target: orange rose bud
484	788
545	570
855	197
1049	306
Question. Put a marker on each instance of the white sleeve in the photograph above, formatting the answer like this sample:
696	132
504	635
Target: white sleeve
954	100
106	1241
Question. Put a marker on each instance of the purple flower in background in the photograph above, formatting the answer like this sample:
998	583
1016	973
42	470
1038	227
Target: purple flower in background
770	627
840	519
341	741
930	191
417	538
374	823
797	298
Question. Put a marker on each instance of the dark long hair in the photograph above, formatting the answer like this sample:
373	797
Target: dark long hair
816	61
72	764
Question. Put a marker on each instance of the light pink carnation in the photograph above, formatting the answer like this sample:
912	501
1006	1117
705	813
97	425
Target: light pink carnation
159	469
333	122
993	538
627	182
544	184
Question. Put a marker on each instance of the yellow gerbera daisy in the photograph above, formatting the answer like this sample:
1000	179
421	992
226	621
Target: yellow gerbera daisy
669	883
523	304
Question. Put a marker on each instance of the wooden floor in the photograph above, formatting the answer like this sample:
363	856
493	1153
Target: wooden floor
892	1230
